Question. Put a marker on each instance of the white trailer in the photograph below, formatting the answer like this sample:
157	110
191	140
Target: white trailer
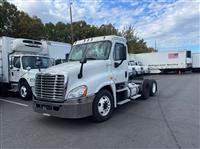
165	61
59	51
195	62
18	64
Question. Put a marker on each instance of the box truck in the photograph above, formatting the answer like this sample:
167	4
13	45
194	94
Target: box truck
93	82
195	62
18	59
166	61
59	51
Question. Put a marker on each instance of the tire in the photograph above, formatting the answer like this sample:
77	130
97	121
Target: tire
153	87
25	91
103	106
145	92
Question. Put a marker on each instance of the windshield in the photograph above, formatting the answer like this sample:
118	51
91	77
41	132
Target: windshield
30	61
92	51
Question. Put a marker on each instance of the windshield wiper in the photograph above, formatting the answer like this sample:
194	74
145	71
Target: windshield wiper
73	60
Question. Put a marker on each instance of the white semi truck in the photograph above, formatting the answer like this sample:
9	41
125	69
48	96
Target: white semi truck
18	59
195	62
165	61
92	83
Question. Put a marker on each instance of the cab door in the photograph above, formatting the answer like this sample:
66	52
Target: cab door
15	69
120	63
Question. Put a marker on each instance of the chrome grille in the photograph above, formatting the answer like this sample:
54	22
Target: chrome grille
49	87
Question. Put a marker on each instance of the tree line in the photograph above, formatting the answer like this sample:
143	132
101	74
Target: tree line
18	24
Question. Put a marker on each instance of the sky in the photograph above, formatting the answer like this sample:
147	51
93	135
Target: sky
173	24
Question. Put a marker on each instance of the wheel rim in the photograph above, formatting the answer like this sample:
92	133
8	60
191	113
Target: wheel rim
104	106
154	87
23	91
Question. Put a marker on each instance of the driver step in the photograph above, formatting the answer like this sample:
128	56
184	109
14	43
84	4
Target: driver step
123	102
136	96
122	89
13	90
14	87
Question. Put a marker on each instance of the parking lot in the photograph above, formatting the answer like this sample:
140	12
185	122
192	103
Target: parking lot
168	120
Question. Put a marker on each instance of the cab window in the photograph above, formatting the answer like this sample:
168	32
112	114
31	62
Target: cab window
16	62
119	49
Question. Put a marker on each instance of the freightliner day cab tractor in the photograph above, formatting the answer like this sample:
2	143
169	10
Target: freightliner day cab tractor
18	59
93	82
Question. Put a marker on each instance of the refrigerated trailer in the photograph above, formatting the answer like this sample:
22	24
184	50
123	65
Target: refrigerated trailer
58	51
18	64
195	62
165	61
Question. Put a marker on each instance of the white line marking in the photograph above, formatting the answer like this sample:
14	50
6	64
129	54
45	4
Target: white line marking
17	103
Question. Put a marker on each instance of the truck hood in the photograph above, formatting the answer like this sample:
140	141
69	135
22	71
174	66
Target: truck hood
63	68
32	72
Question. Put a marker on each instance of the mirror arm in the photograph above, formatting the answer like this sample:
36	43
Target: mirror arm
118	64
80	75
83	61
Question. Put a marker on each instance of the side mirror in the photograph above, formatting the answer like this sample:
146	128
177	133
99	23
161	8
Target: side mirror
11	67
28	68
66	56
38	63
82	61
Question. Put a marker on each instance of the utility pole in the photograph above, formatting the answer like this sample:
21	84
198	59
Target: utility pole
72	35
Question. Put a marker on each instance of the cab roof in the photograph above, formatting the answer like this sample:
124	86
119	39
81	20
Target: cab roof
100	38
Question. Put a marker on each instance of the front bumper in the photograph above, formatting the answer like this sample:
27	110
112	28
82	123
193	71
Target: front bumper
77	108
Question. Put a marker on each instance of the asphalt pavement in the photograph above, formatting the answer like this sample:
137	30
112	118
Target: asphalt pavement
168	120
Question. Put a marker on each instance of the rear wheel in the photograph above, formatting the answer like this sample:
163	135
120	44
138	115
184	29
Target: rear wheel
145	92
153	87
25	91
103	106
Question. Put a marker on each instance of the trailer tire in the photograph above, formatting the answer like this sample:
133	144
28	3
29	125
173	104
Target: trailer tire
25	91
153	87
103	106
145	92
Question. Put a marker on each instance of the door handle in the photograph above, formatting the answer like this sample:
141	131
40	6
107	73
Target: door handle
126	74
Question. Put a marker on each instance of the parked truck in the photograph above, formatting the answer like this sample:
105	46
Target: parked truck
166	61
195	62
18	59
92	83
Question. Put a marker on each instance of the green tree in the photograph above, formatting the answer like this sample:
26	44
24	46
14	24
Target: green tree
135	44
8	18
49	31
107	29
29	27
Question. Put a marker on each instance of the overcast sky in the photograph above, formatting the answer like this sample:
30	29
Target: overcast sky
175	25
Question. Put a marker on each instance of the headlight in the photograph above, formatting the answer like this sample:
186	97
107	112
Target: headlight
80	91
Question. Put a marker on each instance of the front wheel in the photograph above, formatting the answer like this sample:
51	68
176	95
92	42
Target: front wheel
103	106
25	91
